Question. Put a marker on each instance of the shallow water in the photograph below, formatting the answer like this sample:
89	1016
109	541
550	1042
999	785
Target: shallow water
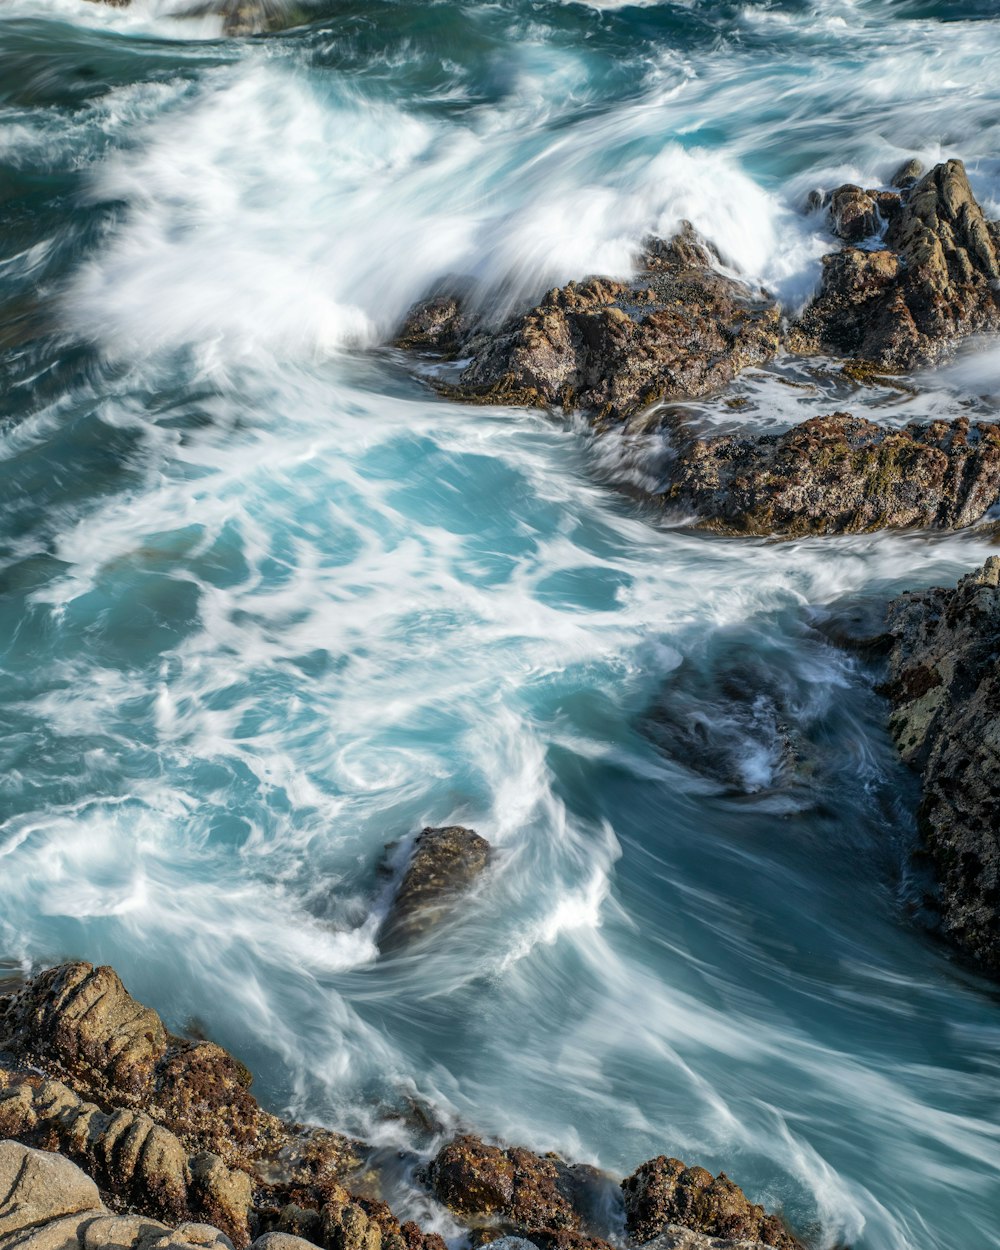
268	604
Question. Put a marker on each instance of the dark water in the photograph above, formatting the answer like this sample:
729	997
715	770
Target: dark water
268	604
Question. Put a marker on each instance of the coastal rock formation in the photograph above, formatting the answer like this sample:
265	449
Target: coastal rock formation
907	303
944	685
835	475
87	1071
510	1189
81	1025
681	328
445	863
514	1190
50	1204
664	1192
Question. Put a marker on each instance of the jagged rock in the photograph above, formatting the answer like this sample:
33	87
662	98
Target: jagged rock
674	1237
134	1160
944	685
445	863
837	474
663	1192
681	328
857	215
506	1188
933	284
80	1024
907	174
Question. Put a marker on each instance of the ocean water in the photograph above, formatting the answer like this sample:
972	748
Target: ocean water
267	604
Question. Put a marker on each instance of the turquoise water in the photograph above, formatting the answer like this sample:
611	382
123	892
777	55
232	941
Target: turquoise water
268	604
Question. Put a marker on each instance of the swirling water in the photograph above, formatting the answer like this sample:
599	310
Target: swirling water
268	604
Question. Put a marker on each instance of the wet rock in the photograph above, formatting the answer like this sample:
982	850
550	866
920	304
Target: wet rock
837	474
680	328
446	862
506	1188
81	1025
907	174
910	304
674	1237
944	686
664	1192
855	214
437	325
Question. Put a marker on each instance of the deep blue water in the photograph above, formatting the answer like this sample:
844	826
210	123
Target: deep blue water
268	604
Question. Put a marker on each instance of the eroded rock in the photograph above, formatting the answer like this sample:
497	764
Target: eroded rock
944	685
610	348
665	1192
835	475
445	863
933	284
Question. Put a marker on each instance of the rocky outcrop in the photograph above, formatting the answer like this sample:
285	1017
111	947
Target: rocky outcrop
168	1128
239	17
665	1192
80	1024
944	686
680	328
836	475
546	1200
50	1204
445	863
931	282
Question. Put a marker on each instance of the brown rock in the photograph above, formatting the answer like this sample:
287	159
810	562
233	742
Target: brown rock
664	1192
909	305
510	1189
837	474
446	862
681	328
944	686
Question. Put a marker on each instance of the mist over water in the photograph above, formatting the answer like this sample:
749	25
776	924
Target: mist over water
269	604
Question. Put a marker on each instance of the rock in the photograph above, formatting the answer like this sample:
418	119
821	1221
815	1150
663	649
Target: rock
511	1189
39	1187
837	474
933	285
674	1237
611	348
944	687
134	1160
664	1191
907	174
80	1024
855	214
445	862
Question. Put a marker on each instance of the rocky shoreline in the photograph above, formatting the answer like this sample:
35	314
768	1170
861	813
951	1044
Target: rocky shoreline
118	1132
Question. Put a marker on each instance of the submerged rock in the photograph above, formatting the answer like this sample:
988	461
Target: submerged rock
835	475
944	685
445	863
666	1192
680	328
934	282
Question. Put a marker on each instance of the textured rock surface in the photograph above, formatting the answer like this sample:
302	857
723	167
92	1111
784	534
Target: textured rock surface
80	1024
933	283
681	328
50	1204
665	1192
87	1071
838	474
944	685
445	862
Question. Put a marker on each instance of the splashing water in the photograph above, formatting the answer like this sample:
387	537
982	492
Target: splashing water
269	604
